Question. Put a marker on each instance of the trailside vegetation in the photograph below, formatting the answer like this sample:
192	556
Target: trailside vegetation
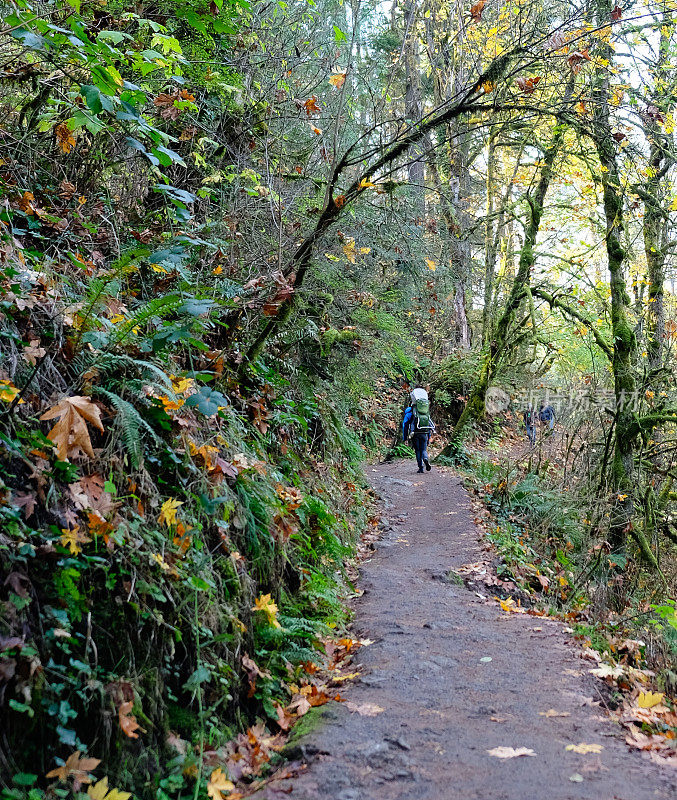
232	234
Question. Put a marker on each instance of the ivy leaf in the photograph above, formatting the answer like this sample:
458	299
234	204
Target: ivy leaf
207	401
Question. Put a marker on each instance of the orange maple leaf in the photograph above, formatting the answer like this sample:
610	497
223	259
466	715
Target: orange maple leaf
76	768
128	721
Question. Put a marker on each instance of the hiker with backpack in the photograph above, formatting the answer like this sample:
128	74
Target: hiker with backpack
530	423
418	423
546	416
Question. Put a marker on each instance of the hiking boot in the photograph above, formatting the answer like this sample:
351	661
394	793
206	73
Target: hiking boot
427	464
420	469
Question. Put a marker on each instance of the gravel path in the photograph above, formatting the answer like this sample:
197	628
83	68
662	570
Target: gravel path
455	677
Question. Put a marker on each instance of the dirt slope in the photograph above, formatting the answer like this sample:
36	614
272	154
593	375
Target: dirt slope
428	671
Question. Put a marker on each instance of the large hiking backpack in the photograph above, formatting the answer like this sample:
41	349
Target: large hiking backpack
422	421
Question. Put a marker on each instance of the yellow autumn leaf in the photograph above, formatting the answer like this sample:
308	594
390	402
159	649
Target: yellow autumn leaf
168	512
432	265
366	184
338	79
218	783
266	604
99	791
349	249
649	699
584	748
181	385
8	391
72	538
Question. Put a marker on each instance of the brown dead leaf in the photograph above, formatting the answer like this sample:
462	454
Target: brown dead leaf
25	501
552	713
477	10
70	434
76	768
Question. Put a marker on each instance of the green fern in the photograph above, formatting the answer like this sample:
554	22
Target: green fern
129	423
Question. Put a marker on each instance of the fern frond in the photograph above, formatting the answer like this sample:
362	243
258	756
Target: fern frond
130	424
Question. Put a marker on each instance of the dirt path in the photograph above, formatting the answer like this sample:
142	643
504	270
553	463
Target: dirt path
444	703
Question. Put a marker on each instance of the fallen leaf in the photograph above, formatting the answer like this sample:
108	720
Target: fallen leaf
338	80
76	768
552	713
168	512
128	721
64	137
576	778
584	748
218	782
607	671
72	538
266	604
365	709
70	435
649	699
510	752
99	791
25	501
476	10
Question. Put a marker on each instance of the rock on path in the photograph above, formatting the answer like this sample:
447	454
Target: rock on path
444	704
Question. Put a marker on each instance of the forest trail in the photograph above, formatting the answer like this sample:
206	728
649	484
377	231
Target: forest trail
444	703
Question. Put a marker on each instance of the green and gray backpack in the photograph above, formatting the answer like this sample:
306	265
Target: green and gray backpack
422	421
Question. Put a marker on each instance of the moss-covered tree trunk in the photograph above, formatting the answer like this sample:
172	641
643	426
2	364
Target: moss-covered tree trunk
654	224
624	342
499	344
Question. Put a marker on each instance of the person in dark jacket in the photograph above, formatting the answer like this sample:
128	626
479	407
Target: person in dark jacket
530	423
546	415
419	439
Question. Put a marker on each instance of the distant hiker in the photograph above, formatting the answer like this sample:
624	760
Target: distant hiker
418	423
546	415
530	423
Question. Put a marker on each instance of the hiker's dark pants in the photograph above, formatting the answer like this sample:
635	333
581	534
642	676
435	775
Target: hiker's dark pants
420	442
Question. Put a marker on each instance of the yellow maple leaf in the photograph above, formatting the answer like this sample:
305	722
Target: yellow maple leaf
350	250
338	80
366	184
168	512
72	538
432	265
649	699
266	604
181	385
99	791
218	782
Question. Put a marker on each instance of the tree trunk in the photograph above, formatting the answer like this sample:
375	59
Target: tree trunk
499	343
413	105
